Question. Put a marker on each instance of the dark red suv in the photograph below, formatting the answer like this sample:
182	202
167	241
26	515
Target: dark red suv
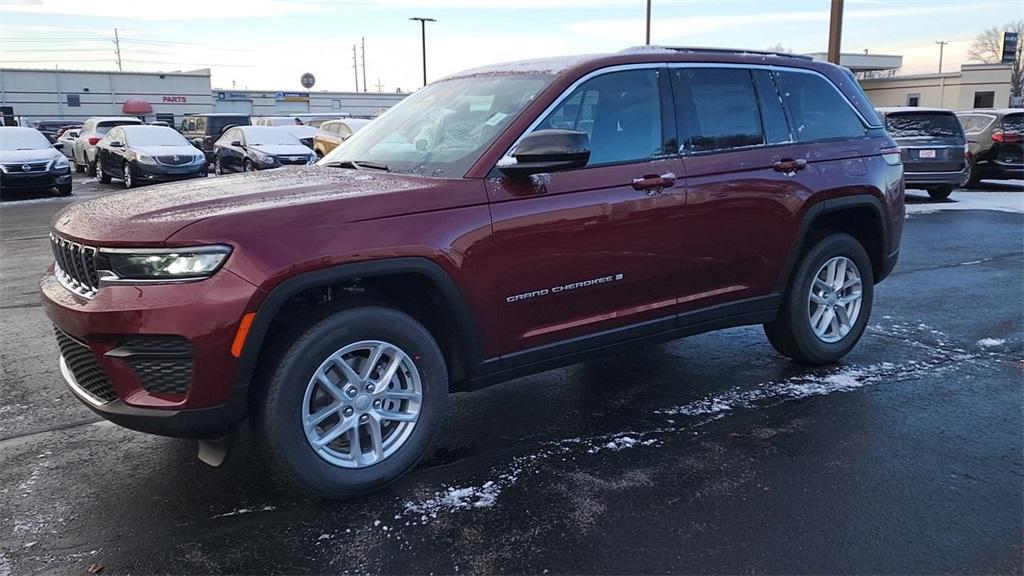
499	222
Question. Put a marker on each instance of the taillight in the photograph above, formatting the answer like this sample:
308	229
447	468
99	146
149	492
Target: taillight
1008	137
891	156
93	140
967	152
208	141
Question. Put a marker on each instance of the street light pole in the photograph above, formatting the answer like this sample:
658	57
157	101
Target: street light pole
648	41
942	81
835	31
423	40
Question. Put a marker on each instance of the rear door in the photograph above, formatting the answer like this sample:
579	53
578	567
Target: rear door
930	141
594	249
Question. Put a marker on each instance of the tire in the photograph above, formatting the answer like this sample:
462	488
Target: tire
64	190
288	393
80	168
248	166
217	168
940	192
97	171
974	177
319	152
90	166
129	176
791	333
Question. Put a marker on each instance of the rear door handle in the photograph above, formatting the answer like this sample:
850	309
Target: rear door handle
789	165
653	184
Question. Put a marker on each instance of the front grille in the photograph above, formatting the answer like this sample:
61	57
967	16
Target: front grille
75	266
174	160
293	159
163	364
85	368
24	167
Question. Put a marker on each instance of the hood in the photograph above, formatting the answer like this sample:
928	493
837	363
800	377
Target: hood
151	215
283	149
34	155
183	150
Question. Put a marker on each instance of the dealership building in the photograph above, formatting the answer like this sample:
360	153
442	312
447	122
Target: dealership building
167	96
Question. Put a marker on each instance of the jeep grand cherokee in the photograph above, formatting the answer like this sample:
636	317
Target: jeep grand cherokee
502	221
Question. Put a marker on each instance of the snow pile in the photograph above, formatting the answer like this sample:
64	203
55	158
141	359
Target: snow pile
991	342
621	443
998	201
454	499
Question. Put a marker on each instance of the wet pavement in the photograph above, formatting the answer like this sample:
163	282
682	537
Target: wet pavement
711	454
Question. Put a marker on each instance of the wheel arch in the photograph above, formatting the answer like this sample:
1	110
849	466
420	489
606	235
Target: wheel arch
450	322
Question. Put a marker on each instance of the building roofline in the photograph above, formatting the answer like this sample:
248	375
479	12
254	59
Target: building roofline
202	73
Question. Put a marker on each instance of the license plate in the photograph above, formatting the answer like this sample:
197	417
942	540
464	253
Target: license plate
926	154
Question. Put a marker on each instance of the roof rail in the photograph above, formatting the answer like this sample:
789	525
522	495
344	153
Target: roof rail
705	50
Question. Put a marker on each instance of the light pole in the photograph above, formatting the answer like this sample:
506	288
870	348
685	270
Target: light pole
423	40
835	31
648	41
942	81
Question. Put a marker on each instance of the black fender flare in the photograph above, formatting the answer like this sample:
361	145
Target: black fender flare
824	207
282	292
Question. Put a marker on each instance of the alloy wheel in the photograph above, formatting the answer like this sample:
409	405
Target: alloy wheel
362	404
128	176
834	300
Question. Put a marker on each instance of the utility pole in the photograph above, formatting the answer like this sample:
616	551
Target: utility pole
835	31
355	66
648	40
364	63
942	80
380	87
423	40
117	49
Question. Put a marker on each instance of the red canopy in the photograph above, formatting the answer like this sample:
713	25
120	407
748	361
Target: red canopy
136	107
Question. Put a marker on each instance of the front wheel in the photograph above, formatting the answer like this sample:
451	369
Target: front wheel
828	304
99	173
218	169
64	190
129	177
353	403
248	166
940	192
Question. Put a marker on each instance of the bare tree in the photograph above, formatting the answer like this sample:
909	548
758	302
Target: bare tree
988	48
779	48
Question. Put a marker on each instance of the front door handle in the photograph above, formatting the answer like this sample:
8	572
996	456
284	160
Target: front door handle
789	165
653	184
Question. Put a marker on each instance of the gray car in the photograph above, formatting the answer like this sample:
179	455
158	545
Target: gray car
932	145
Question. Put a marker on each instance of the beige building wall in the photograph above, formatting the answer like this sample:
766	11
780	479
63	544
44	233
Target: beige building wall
953	90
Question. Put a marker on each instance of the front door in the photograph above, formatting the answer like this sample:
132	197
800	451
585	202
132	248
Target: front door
593	249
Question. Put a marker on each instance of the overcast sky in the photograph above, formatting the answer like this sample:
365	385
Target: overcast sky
268	44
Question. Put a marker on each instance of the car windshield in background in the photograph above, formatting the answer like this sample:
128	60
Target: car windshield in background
107	126
444	128
267	135
219	123
922	125
155	136
1013	123
22	139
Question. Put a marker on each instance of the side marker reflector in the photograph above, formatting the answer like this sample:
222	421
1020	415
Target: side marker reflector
243	331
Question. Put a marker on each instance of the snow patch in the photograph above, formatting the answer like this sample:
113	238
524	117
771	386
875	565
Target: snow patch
240	511
621	443
452	499
998	201
991	342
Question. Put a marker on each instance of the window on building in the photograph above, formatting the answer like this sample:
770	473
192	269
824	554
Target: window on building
817	108
74	100
913	100
984	99
336	104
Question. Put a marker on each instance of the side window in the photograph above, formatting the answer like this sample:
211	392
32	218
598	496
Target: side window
619	111
200	124
117	135
342	130
818	110
717	108
773	116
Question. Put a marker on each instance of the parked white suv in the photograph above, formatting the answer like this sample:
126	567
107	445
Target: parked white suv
83	151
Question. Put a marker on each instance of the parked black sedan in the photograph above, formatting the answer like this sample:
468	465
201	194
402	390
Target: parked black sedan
28	160
249	148
140	153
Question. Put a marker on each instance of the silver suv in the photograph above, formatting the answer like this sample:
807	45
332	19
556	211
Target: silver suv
83	150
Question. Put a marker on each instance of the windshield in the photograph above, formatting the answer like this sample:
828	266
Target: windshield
22	139
105	127
444	128
155	136
922	124
267	135
219	123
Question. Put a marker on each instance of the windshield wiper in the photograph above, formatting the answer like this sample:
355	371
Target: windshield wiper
360	165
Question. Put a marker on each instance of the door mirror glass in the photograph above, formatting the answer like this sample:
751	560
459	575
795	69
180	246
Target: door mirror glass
116	145
58	145
549	151
236	143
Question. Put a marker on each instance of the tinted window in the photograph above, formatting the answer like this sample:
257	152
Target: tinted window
620	111
1013	123
984	99
717	108
975	123
818	110
218	123
773	116
922	124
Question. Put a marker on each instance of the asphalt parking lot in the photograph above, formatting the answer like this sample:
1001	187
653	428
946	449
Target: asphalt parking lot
707	455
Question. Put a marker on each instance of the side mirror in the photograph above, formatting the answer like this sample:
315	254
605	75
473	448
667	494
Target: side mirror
548	151
58	145
237	143
116	145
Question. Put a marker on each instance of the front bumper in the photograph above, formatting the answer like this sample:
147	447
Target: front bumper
48	179
204	314
938	178
161	173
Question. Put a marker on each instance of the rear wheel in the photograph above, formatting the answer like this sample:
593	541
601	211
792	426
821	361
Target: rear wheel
354	402
828	305
974	176
940	192
91	166
80	168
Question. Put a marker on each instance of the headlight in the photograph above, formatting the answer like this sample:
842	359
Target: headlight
60	163
159	264
199	159
263	157
144	159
